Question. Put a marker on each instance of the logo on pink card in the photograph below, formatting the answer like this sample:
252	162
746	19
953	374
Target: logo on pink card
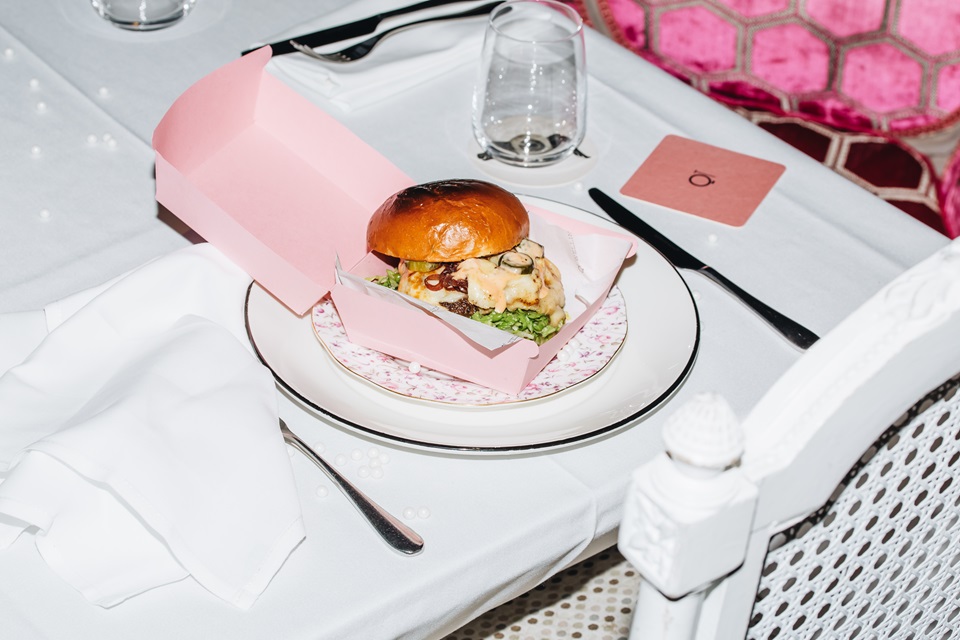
703	180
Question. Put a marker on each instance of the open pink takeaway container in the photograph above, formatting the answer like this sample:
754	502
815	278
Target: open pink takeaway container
285	191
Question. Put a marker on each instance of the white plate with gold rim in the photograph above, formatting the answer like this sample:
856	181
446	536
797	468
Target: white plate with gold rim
654	359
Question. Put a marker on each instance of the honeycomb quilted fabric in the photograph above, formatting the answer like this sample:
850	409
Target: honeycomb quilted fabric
873	84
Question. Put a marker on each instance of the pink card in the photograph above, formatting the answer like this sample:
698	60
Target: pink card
703	180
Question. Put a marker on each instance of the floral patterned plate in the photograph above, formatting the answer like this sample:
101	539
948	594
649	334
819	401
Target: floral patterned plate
585	355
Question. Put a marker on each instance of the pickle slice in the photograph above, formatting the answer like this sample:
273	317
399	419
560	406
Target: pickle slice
422	266
517	262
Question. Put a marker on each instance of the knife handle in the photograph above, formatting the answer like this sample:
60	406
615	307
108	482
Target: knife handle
420	6
792	331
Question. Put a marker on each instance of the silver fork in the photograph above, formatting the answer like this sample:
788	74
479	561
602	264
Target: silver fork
362	49
395	533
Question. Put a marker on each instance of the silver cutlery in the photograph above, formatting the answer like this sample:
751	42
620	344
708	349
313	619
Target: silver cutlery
362	49
355	29
796	333
395	533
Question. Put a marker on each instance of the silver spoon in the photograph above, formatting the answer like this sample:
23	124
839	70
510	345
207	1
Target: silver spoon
395	533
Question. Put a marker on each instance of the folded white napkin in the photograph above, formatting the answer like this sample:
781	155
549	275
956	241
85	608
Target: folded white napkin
402	61
139	441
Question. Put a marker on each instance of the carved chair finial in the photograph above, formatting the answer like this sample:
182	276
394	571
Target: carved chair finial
704	433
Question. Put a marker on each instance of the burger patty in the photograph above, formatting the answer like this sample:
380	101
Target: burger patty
461	307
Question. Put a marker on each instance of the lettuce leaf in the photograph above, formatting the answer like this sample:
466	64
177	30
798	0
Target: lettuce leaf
521	322
390	280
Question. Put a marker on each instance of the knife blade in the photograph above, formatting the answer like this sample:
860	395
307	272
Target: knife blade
796	333
362	27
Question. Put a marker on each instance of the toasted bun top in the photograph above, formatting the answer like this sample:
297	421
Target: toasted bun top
448	221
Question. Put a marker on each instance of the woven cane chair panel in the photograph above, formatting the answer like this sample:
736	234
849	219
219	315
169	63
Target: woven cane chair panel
882	558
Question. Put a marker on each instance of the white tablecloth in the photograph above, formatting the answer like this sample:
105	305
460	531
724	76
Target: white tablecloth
76	191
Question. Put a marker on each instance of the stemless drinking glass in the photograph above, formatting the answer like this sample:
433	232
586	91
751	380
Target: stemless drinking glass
142	15
529	102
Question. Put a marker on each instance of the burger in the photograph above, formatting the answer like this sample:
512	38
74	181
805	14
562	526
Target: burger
462	245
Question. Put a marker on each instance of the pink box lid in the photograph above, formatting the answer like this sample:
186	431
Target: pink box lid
276	183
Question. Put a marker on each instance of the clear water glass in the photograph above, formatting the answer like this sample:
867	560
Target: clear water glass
529	101
142	15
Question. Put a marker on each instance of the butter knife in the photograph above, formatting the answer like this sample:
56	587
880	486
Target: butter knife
789	329
353	29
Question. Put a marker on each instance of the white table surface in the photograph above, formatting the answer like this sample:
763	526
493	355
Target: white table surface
77	208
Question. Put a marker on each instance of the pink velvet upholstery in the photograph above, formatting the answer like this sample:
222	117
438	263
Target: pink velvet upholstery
883	71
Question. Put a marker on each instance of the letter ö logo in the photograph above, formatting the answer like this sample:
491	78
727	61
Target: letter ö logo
700	179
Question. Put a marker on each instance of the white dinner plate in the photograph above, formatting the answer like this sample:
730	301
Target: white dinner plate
654	360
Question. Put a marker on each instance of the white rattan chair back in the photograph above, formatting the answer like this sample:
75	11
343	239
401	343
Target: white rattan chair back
882	558
831	511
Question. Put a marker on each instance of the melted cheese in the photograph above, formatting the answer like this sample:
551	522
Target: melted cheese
491	288
551	295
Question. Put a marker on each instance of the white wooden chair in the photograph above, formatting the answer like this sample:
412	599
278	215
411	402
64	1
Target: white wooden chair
831	510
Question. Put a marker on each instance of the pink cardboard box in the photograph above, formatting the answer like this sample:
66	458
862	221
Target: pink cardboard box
284	190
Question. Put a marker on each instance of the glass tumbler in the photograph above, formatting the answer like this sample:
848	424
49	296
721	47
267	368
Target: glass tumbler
529	101
142	15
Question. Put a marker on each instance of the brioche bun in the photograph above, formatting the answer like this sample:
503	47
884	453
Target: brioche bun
448	221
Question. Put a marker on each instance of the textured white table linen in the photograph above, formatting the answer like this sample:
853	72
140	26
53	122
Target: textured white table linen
139	440
401	62
67	168
816	248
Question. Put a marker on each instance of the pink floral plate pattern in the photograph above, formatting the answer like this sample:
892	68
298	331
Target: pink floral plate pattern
585	355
